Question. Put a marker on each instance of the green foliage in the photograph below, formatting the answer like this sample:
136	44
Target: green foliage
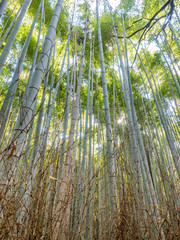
39	176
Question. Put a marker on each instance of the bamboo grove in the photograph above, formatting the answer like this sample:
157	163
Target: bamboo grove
89	119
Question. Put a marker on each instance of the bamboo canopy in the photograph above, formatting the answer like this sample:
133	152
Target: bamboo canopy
89	119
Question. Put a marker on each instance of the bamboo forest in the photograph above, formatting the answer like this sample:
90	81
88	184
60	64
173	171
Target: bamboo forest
89	119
